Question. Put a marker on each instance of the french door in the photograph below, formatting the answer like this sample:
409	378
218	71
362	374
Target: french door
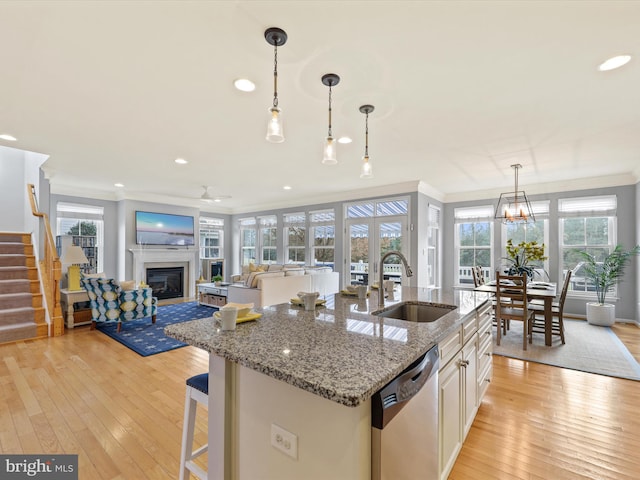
369	239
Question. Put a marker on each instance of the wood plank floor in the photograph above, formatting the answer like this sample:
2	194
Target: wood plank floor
122	414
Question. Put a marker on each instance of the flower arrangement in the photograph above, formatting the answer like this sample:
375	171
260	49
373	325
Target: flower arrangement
520	257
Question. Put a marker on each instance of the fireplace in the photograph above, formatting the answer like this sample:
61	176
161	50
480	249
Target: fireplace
145	258
166	282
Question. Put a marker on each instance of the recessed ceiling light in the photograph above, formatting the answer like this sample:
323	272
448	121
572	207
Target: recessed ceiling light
119	185
181	161
344	140
7	137
287	187
614	62
244	85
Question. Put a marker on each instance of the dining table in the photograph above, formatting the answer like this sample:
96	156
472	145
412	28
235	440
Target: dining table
545	291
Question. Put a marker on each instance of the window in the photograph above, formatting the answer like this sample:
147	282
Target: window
586	224
268	239
247	240
433	246
473	240
537	231
296	237
323	233
85	225
211	237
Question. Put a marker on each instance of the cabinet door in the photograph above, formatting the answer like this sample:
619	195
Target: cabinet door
470	383
450	419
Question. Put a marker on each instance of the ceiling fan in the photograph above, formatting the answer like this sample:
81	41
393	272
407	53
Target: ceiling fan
207	197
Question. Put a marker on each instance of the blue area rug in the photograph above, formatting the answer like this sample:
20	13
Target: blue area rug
146	338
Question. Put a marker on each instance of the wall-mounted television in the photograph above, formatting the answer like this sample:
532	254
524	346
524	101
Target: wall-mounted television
164	229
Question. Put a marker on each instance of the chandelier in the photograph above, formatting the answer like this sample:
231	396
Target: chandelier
514	207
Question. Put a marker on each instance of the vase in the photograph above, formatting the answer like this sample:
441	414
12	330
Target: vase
602	314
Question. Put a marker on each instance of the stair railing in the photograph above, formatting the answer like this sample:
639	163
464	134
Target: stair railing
50	268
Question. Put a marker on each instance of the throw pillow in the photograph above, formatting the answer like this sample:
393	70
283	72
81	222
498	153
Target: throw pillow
255	268
128	285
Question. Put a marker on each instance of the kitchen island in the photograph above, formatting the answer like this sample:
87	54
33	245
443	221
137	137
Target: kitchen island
311	373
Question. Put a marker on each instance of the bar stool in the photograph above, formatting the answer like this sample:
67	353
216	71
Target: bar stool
197	392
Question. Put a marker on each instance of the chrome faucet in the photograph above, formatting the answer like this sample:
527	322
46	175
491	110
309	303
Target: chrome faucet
407	269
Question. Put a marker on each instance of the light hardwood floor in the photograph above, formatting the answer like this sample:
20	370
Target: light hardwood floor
122	414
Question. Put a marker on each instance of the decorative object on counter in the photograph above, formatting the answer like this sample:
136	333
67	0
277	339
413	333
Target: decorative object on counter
309	299
520	257
367	169
243	308
217	280
362	291
300	303
275	134
146	338
329	154
514	207
604	273
228	316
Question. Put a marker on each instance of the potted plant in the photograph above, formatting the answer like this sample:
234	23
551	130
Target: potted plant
604	275
217	279
520	257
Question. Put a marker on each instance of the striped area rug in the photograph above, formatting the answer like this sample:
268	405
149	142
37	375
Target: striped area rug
588	348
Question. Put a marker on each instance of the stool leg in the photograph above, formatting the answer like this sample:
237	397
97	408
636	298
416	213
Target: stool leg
188	428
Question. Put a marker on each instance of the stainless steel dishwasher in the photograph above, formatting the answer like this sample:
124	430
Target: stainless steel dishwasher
404	423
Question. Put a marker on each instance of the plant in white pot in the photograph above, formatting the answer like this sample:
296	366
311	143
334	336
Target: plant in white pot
604	275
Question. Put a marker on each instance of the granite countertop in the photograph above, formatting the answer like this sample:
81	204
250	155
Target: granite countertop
339	351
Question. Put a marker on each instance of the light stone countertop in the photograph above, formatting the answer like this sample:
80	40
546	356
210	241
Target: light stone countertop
339	351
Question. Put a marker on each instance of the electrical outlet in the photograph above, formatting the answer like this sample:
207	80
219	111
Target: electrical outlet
284	441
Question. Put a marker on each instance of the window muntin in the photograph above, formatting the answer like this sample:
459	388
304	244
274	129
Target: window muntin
323	237
586	224
296	236
248	240
86	225
268	239
473	241
211	237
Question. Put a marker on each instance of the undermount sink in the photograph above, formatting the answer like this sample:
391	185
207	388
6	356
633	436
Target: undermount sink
416	311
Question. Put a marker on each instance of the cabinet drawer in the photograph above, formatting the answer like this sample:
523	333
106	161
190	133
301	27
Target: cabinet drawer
469	327
450	346
485	319
485	340
483	381
484	360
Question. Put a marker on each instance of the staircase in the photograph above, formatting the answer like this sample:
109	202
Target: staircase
22	315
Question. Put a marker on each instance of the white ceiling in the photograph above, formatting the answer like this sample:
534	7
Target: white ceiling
114	91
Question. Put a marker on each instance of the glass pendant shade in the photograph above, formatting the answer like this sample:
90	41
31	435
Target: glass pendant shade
329	157
275	132
367	169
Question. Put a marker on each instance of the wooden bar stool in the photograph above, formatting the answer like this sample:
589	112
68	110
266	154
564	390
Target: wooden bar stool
197	392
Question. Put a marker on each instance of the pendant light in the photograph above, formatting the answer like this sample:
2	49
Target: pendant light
514	207
367	169
329	157
276	37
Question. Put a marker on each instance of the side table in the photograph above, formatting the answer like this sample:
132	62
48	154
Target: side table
67	299
212	296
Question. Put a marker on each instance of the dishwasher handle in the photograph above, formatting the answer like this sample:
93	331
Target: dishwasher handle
389	400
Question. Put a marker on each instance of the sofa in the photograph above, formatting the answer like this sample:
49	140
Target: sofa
265	285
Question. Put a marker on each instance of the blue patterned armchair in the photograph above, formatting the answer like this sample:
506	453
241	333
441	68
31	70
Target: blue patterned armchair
109	303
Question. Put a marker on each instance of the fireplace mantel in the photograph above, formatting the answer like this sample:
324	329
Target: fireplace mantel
144	258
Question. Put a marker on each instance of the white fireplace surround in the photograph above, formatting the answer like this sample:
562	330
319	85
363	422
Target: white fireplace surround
144	258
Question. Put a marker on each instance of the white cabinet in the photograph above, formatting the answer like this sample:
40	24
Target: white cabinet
464	374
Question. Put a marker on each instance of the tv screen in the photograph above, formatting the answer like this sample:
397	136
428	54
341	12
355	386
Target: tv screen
164	229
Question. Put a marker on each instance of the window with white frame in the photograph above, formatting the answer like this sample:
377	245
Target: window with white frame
323	234
586	224
84	225
248	237
537	231
295	234
268	239
211	237
433	246
473	241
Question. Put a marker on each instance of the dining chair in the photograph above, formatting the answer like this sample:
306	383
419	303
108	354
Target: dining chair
557	308
478	276
512	304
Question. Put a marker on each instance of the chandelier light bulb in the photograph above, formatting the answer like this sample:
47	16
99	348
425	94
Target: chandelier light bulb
329	157
274	126
367	169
